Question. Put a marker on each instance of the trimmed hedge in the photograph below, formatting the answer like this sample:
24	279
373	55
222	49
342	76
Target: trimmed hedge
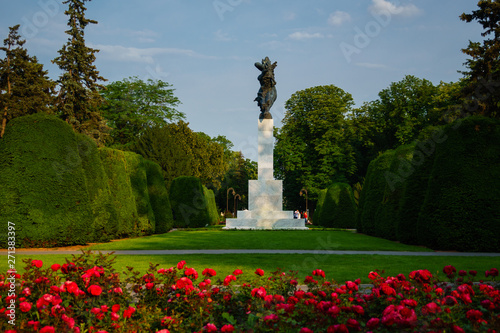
461	210
387	214
43	183
373	192
213	214
319	205
443	193
189	204
158	197
60	189
338	209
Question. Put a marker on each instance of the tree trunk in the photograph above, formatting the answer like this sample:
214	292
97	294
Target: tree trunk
4	120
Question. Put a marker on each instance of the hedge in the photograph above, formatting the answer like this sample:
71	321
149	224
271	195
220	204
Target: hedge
373	192
158	197
59	189
338	208
386	216
189	205
461	210
43	183
319	205
213	213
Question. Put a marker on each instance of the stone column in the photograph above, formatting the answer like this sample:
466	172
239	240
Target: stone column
265	149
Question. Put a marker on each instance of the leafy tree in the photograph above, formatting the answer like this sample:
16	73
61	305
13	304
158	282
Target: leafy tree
182	152
312	150
79	99
132	105
24	86
482	89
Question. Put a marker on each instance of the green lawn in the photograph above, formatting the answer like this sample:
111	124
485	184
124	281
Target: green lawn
269	240
338	267
341	268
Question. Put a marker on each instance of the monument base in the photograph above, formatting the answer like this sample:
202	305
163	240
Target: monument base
265	224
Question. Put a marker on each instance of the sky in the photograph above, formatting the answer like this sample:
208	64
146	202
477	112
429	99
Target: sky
206	49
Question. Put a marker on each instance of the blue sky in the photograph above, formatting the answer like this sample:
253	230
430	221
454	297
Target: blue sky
206	48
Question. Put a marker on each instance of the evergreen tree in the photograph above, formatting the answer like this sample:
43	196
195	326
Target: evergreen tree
79	99
482	89
24	86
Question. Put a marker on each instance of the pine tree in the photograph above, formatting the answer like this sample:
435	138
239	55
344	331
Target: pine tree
79	99
24	86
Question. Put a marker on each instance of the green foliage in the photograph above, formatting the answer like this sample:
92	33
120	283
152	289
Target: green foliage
24	86
132	105
213	214
387	213
189	204
312	149
482	82
181	152
79	100
158	197
373	192
319	205
338	207
43	187
461	210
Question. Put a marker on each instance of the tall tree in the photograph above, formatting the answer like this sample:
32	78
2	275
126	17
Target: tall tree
79	99
182	152
311	149
482	91
132	105
24	86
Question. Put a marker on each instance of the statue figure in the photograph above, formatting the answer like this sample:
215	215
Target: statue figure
267	93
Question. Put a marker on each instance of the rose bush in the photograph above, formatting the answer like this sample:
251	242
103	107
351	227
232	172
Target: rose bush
86	294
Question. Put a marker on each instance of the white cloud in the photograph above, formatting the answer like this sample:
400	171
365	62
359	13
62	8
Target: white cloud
290	16
302	35
338	18
385	6
133	54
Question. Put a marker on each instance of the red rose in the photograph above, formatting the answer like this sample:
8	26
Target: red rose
449	270
209	272
47	329
211	328
237	272
115	308
191	271
227	328
55	267
181	264
129	312
259	272
95	290
305	330
25	306
37	264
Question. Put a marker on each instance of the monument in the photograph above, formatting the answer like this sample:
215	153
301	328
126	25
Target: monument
265	195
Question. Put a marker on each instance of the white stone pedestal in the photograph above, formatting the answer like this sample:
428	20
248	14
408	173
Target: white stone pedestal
265	195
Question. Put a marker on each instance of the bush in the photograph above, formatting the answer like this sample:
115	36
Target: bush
461	210
43	183
212	207
338	208
373	192
189	205
386	217
319	205
158	197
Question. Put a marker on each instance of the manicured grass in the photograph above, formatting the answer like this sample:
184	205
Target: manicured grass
269	240
340	268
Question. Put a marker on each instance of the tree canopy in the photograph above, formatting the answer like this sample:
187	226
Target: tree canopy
79	100
132	105
24	86
482	89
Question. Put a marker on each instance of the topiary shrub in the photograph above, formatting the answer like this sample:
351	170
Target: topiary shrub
189	205
338	209
373	192
213	214
158	197
43	183
319	205
461	210
387	214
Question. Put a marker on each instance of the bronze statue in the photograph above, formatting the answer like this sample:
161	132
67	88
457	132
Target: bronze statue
267	93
